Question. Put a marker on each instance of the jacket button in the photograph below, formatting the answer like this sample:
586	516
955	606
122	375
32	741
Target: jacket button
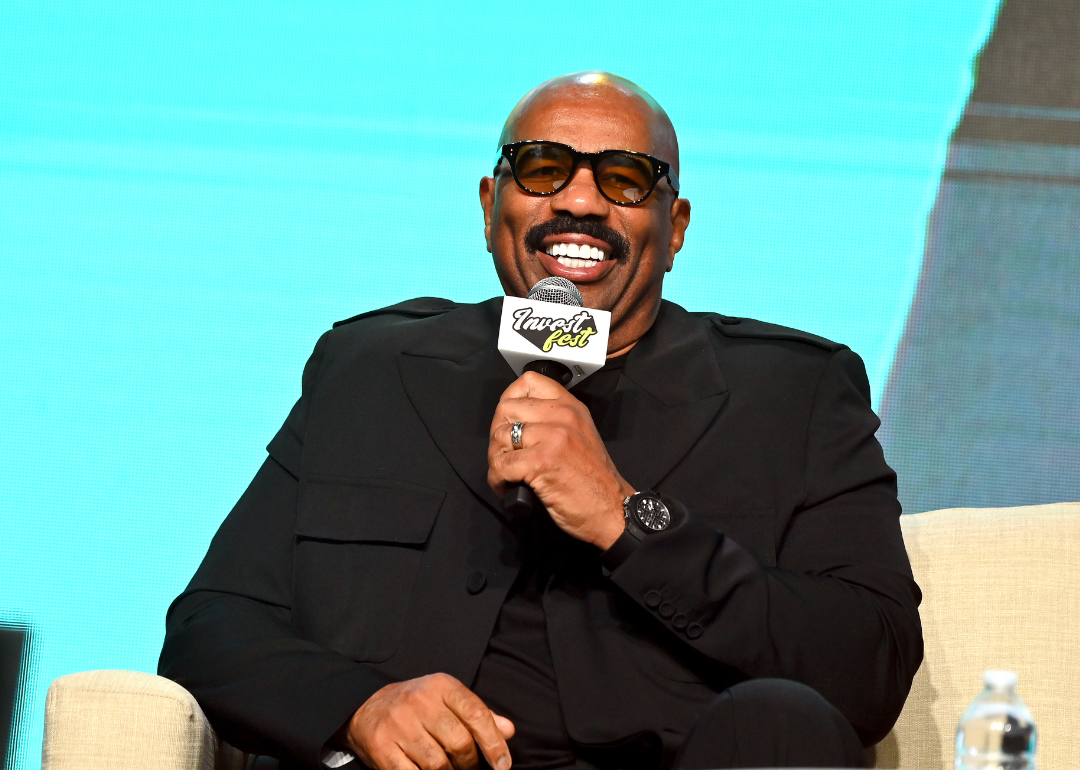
476	582
667	609
694	630
652	599
680	621
729	321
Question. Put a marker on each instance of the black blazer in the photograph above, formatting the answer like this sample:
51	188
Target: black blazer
369	547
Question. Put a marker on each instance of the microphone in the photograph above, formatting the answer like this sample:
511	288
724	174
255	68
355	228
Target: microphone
550	332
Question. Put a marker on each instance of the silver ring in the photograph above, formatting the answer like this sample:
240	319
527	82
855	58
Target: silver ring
515	434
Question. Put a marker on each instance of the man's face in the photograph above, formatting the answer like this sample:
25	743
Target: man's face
639	242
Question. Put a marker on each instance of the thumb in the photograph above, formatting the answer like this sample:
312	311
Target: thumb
506	727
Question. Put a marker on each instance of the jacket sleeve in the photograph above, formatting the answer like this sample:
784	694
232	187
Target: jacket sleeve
229	639
839	611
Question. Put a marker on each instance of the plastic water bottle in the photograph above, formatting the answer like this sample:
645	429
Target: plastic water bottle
997	731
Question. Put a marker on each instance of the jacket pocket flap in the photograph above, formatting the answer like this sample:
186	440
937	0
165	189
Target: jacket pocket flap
367	510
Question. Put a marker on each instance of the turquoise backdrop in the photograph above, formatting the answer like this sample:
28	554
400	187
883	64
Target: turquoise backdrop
190	193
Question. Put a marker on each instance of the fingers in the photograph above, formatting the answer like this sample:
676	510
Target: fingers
545	448
424	751
455	740
502	440
430	723
506	727
531	409
480	722
532	412
393	758
533	399
536	437
533	385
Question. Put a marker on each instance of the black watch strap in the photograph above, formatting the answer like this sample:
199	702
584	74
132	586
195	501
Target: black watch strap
619	551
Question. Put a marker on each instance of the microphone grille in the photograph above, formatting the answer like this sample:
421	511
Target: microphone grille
556	289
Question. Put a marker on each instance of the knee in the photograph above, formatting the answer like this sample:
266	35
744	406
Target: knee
771	723
781	697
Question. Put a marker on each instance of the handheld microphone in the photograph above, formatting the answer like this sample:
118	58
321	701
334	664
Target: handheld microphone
552	333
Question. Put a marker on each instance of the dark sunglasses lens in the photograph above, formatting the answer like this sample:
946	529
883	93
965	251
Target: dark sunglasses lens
543	168
625	178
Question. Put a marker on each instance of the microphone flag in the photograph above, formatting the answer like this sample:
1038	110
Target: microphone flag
575	336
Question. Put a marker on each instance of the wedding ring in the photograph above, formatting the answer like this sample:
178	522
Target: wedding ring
515	434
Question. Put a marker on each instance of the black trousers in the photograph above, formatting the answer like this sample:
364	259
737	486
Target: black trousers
770	723
758	723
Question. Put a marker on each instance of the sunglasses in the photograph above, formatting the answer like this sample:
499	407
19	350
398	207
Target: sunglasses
625	178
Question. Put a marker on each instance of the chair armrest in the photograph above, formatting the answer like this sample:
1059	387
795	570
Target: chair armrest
125	720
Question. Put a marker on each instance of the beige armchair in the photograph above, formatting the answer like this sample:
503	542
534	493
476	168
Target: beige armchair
1001	590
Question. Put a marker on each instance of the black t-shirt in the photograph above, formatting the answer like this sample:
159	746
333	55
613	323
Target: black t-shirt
516	677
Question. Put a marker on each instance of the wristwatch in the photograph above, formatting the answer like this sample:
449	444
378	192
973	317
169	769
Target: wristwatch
645	514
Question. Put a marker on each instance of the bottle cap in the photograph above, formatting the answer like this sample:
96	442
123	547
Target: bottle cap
996	679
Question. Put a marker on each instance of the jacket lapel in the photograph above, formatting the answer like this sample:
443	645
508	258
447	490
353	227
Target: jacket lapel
454	380
670	393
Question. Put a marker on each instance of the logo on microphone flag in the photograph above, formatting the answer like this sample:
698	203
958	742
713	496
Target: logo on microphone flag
546	332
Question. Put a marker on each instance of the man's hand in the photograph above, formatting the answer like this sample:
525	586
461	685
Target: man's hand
432	723
562	458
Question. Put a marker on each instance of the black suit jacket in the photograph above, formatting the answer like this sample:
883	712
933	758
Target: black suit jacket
347	563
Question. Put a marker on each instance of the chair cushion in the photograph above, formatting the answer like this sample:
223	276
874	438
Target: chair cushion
1001	589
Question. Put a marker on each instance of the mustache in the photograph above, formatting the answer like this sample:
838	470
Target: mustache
564	223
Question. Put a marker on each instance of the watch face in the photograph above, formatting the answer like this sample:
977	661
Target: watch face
653	514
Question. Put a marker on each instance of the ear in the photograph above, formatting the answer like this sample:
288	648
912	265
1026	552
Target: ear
487	201
680	220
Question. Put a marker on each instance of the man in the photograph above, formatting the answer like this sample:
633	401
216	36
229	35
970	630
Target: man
368	599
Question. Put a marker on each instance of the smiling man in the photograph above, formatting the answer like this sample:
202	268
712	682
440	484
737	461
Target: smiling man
716	577
635	236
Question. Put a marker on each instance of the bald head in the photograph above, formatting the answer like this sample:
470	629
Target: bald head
563	92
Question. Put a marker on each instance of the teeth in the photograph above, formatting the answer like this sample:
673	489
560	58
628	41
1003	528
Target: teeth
571	262
571	253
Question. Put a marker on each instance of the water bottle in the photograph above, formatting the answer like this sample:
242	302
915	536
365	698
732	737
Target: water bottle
997	731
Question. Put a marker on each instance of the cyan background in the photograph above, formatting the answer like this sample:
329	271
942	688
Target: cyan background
190	193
